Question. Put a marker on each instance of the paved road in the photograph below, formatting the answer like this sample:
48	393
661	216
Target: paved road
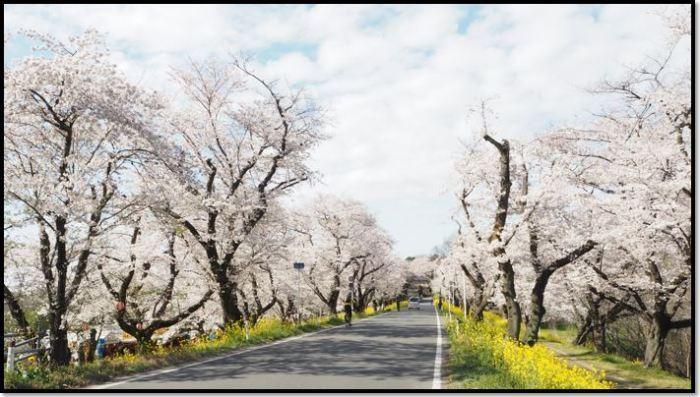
396	350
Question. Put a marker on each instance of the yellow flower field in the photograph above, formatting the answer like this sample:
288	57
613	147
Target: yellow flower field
524	367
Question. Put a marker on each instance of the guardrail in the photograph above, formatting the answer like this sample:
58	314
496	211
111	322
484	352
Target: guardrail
14	356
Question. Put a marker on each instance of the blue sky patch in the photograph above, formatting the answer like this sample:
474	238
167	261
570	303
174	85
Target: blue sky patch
470	14
276	50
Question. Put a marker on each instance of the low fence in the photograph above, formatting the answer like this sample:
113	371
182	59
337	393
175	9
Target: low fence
18	349
15	353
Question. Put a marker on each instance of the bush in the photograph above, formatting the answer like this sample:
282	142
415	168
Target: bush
483	347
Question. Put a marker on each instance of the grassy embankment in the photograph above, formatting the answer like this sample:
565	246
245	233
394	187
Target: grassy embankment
30	376
627	374
481	357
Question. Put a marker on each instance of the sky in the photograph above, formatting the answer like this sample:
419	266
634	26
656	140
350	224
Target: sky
396	81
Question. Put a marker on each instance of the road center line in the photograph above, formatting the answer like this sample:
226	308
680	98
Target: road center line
438	353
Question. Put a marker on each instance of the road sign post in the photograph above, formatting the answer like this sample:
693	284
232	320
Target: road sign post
299	266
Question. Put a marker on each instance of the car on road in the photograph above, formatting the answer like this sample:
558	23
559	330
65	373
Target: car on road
414	303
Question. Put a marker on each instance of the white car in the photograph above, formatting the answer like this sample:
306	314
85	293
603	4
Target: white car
414	303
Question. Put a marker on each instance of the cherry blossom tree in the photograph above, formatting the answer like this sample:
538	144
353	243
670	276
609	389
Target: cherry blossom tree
391	283
592	313
261	262
143	275
471	260
370	270
556	231
339	240
237	149
492	182
635	160
73	130
610	198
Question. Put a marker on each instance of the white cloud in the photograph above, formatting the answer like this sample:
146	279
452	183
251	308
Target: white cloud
397	79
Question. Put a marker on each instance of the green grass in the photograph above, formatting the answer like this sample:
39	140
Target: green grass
29	376
626	373
560	334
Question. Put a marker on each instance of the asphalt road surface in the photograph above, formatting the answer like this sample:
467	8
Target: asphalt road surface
396	350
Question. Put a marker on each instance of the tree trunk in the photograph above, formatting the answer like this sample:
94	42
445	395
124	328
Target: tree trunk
656	339
16	310
478	312
542	275
480	297
333	302
584	331
537	309
504	264
229	305
92	345
145	340
689	357
359	303
286	312
508	291
59	354
599	338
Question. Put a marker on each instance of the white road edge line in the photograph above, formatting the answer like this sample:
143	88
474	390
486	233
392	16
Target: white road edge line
437	376
236	353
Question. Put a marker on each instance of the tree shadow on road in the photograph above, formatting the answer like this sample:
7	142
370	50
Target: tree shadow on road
367	352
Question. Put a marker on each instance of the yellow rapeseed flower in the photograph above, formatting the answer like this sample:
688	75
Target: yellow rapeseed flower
532	367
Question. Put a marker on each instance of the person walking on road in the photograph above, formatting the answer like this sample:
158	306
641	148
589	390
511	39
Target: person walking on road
440	303
348	313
